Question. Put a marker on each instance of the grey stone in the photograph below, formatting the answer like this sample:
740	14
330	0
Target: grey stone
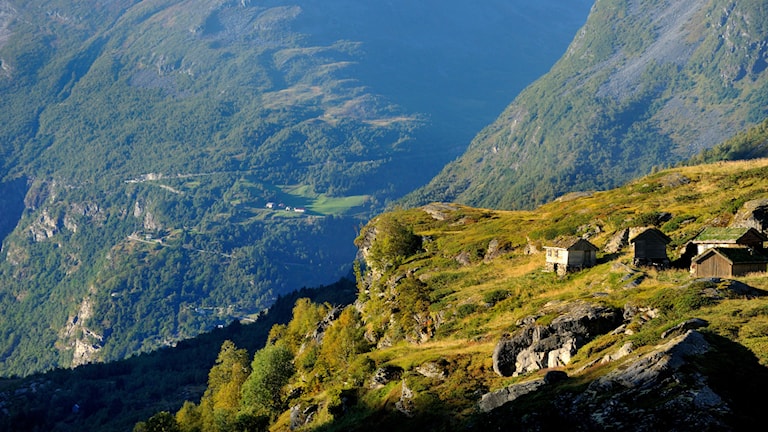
753	214
536	347
691	324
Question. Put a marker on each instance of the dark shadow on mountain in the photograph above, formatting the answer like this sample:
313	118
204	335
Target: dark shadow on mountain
12	204
115	396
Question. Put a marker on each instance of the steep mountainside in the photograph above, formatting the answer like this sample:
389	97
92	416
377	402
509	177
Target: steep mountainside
644	84
141	142
457	327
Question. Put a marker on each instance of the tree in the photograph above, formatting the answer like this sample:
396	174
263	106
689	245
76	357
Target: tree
188	418
393	242
221	399
160	422
343	341
272	369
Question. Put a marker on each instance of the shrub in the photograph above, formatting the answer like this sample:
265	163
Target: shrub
393	243
495	296
272	368
466	309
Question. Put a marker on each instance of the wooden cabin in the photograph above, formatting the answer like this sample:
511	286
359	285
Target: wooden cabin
650	248
570	254
729	238
728	262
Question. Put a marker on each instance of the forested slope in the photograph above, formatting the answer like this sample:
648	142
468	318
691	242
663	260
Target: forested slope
141	142
644	84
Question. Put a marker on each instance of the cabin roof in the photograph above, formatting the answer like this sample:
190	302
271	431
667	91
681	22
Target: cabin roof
651	232
727	235
572	243
733	255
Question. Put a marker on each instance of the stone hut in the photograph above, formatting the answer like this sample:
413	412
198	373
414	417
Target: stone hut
728	262
649	246
731	237
570	254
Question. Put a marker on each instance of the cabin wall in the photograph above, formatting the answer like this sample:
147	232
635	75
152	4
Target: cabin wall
745	269
650	250
579	258
714	266
557	256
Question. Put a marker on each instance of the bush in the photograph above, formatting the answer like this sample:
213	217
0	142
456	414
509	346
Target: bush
393	243
466	309
272	367
493	297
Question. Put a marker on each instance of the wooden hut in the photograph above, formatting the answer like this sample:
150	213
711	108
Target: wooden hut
570	254
650	248
728	262
729	238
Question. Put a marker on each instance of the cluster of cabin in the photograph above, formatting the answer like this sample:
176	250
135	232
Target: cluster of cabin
274	206
719	252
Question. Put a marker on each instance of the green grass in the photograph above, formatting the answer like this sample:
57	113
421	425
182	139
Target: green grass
337	206
320	204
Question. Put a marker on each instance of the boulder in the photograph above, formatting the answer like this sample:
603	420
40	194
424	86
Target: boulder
647	370
463	258
493	400
301	417
536	347
674	180
691	324
753	214
405	404
673	395
617	241
622	352
495	249
385	375
435	370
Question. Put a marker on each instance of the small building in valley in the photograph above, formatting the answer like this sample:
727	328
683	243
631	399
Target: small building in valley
730	237
570	254
649	246
728	262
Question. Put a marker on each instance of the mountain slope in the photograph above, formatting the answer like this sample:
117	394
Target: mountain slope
643	84
142	142
457	327
416	350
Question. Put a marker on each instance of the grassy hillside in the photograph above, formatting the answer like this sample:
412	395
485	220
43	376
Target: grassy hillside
644	84
445	282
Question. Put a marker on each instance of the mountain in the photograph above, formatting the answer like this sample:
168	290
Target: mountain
644	84
169	166
457	326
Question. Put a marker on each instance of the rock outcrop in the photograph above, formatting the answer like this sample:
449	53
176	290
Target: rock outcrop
536	347
617	242
675	396
753	214
659	390
493	400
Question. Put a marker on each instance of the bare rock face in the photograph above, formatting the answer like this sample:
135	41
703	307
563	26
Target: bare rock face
674	396
617	242
753	214
493	400
651	368
675	386
536	347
